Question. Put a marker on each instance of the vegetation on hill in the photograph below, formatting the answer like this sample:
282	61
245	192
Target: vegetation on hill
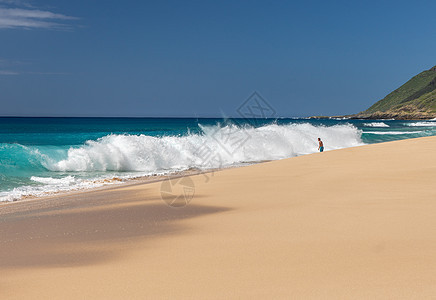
416	99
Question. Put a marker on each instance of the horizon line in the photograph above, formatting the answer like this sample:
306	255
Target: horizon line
152	117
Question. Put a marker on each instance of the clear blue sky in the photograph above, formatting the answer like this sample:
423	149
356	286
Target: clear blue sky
204	58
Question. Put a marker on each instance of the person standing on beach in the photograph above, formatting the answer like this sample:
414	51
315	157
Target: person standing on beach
321	145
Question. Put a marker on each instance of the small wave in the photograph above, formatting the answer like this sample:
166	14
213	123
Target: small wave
392	132
340	119
376	124
421	124
54	181
49	186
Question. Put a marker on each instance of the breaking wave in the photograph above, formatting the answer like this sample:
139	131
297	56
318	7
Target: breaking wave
376	124
392	132
114	158
421	124
218	146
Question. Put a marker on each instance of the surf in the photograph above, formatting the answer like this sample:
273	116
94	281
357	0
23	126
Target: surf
229	144
40	170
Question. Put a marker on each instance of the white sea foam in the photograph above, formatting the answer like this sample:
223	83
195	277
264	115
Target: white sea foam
393	132
421	124
54	181
230	144
376	124
52	185
216	147
340	119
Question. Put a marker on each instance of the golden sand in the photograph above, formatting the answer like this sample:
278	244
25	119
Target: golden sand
345	224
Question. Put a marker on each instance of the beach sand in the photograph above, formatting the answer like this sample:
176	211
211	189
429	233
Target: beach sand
345	224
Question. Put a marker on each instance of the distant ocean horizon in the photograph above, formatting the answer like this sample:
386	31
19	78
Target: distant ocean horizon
44	155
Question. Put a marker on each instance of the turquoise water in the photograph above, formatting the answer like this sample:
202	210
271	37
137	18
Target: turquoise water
45	155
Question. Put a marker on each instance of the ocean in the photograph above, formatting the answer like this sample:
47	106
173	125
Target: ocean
41	156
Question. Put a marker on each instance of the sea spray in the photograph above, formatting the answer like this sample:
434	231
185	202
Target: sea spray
150	154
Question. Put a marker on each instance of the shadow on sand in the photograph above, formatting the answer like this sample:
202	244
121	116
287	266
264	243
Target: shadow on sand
87	228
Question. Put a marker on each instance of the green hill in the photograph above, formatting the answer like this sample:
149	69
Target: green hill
416	99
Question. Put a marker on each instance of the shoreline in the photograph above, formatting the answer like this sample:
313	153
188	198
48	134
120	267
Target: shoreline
152	179
140	180
50	183
145	180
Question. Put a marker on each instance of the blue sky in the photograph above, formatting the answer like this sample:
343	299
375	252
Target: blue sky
204	58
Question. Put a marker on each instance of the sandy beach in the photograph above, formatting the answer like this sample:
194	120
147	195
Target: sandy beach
356	223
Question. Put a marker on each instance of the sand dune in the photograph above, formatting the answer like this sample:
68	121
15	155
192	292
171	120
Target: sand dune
352	223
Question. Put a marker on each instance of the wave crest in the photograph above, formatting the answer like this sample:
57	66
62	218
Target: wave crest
421	124
376	124
228	144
